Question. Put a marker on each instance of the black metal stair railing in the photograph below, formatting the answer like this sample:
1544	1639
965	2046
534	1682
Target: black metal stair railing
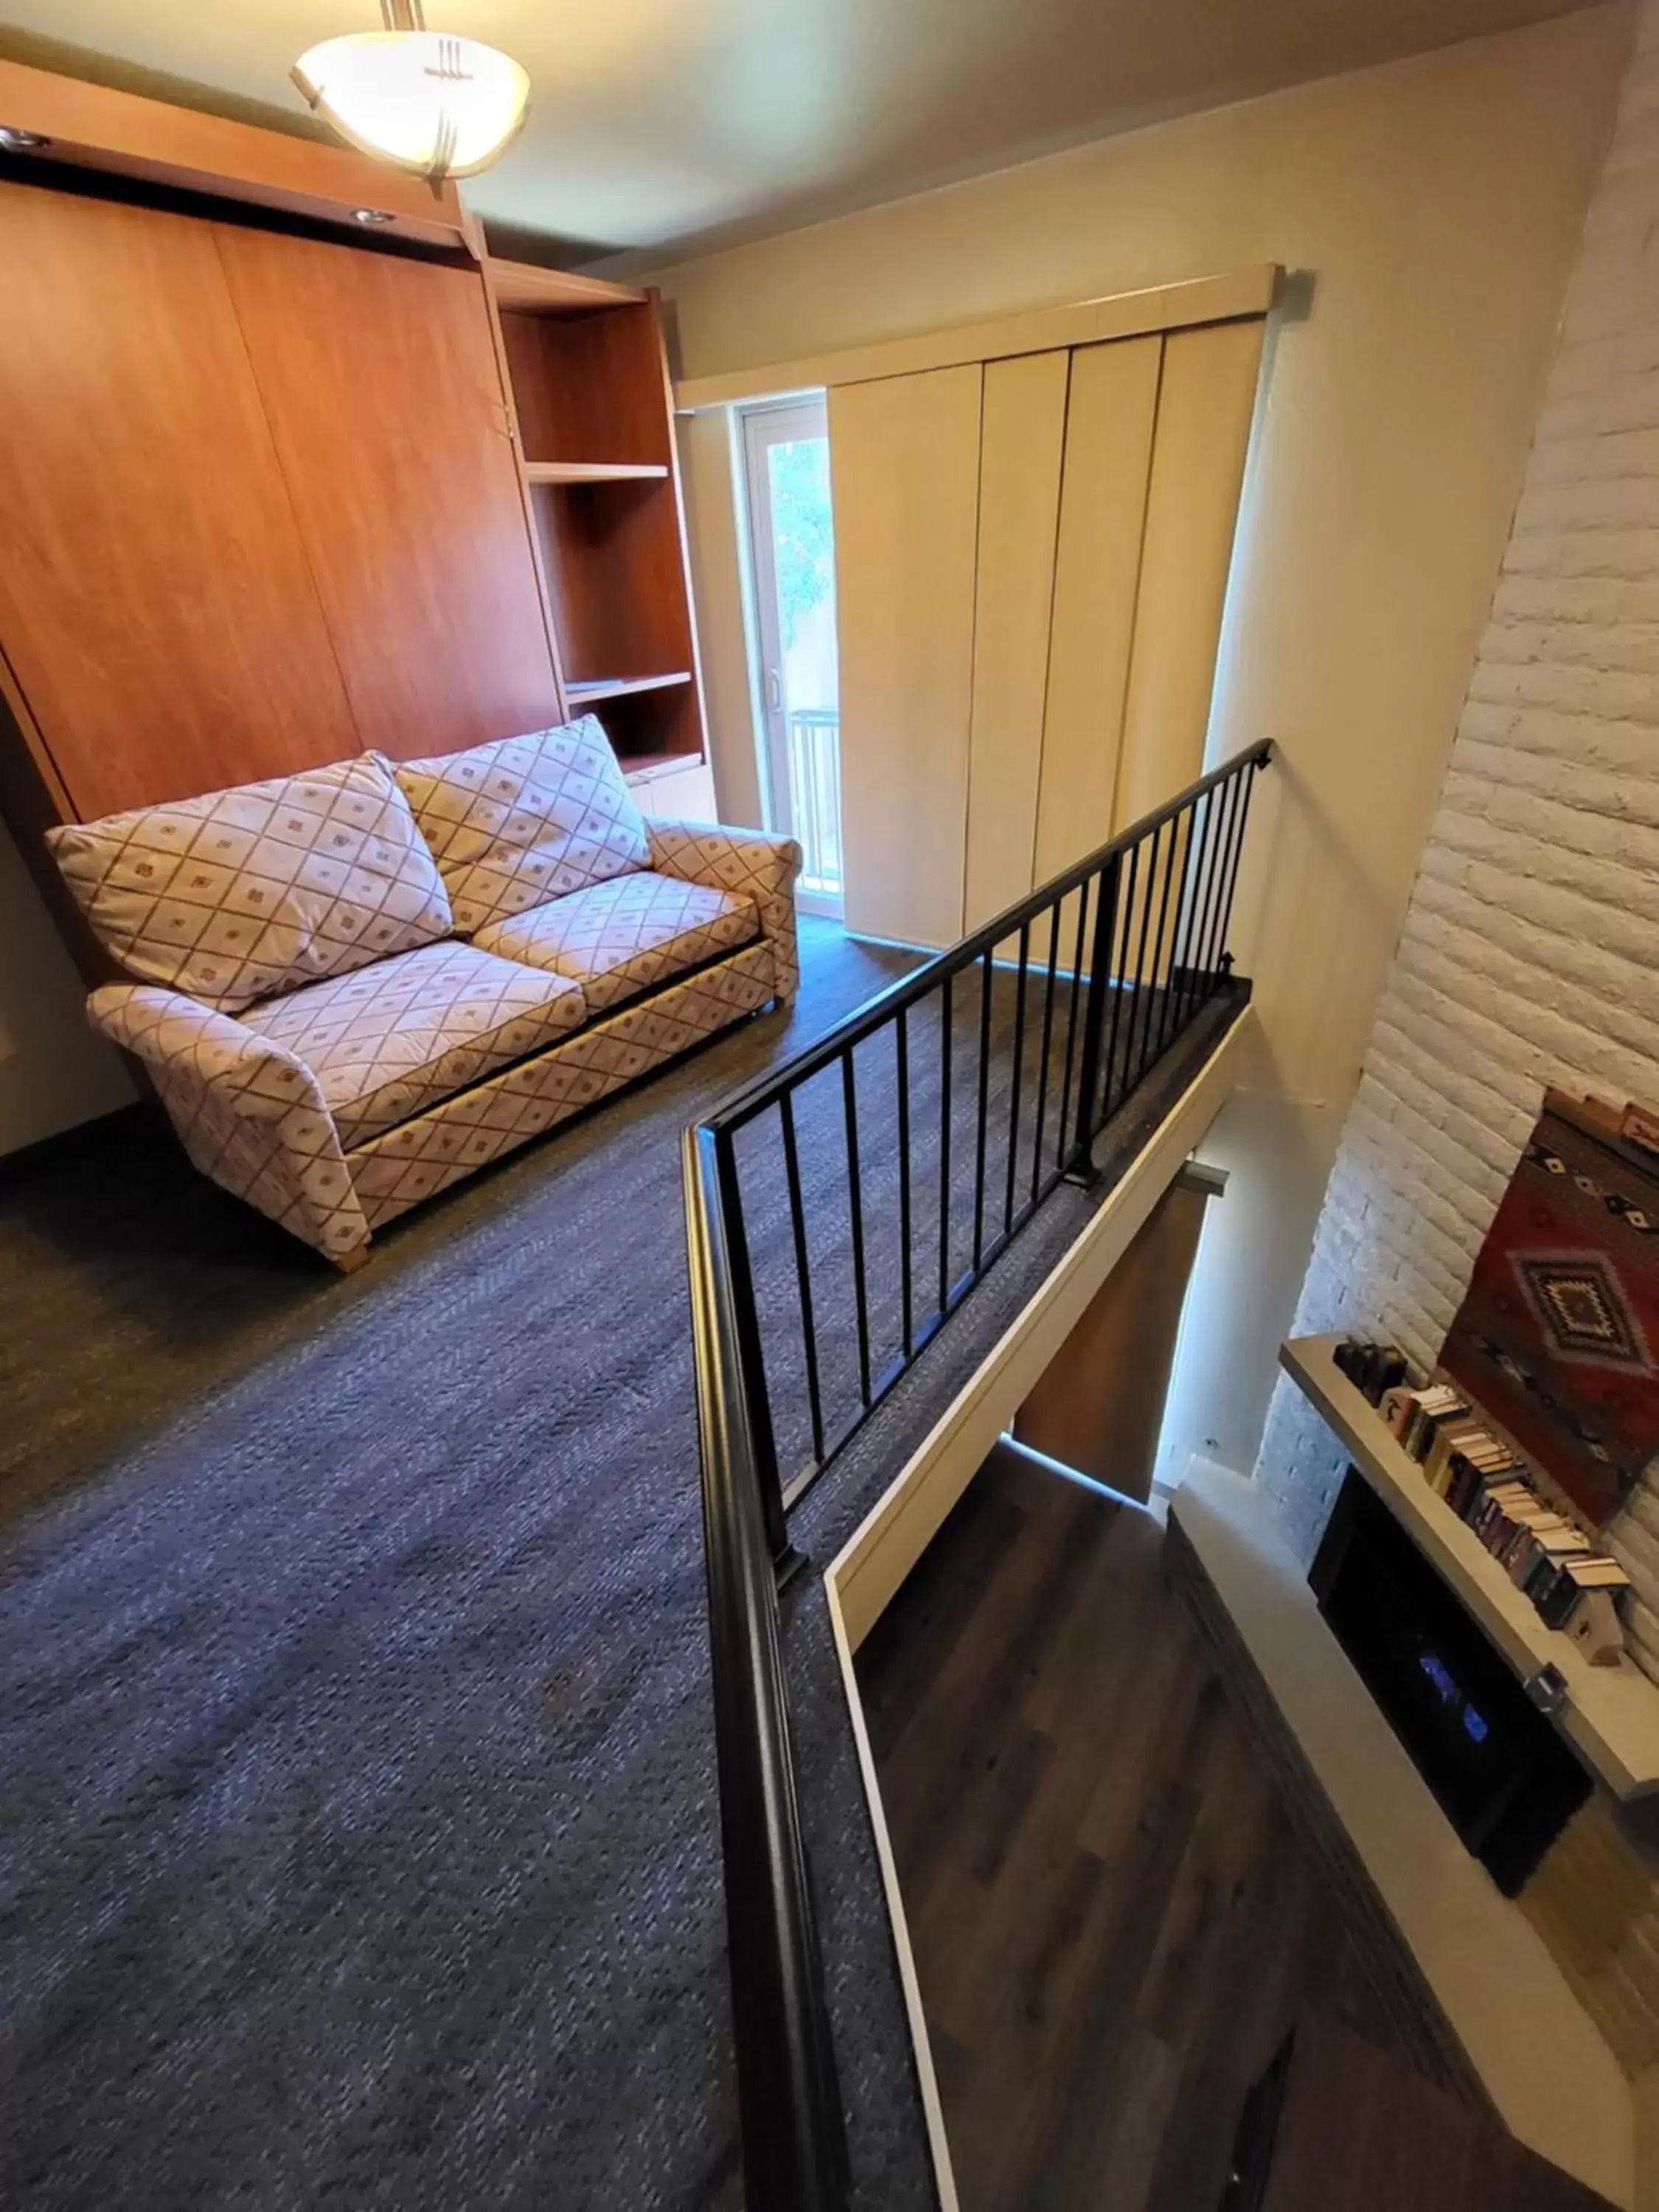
982	1082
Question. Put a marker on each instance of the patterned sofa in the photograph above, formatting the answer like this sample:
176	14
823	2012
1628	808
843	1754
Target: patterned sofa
356	985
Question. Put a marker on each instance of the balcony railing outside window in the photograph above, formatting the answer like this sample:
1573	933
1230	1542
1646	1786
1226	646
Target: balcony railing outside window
815	796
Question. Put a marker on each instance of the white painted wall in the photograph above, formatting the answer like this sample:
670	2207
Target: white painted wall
1438	202
1530	951
54	1072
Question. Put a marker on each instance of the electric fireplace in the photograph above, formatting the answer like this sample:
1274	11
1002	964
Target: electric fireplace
1503	1777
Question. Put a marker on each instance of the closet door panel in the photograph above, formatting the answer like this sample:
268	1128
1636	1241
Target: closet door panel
904	456
380	380
155	603
1021	442
1109	422
1204	415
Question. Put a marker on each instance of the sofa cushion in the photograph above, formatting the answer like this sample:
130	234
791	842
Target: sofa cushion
247	892
392	1039
620	937
525	819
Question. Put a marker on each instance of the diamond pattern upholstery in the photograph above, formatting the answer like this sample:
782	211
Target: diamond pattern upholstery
336	1106
393	1039
247	892
249	1114
420	1158
525	819
620	937
758	866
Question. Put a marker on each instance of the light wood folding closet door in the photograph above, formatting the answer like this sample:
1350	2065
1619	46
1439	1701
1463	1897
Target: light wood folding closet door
1031	559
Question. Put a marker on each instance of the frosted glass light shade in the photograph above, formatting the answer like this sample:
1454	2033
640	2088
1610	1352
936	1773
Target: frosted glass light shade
441	106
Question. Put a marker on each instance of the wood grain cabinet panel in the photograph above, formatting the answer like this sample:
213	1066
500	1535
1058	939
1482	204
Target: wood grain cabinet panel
156	606
380	377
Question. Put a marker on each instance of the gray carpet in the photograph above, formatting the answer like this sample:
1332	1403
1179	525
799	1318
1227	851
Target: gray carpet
358	1842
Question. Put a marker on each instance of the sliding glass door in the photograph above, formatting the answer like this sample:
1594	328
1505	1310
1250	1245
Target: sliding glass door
792	541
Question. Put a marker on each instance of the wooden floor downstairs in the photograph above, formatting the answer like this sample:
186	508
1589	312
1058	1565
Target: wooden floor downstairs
1115	1925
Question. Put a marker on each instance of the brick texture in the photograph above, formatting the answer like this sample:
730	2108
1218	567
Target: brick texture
1529	954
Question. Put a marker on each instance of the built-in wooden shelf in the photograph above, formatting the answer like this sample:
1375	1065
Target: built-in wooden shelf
589	472
1611	1717
646	767
527	290
622	687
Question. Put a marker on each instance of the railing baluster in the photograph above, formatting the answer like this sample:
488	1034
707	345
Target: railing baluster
1064	1151
945	1016
803	1270
1154	1005
1248	775
901	1057
1226	798
1119	984
1094	1018
1139	1007
1183	840
1020	1077
752	1357
1195	907
1048	1039
985	973
855	1207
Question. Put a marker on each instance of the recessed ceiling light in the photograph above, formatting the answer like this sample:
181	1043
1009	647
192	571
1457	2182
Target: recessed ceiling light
371	214
22	142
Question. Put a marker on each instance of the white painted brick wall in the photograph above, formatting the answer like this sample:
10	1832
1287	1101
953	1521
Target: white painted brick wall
1530	951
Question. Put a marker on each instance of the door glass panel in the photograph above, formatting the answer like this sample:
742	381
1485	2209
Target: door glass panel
793	538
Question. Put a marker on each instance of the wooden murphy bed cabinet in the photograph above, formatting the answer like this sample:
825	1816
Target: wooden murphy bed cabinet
262	503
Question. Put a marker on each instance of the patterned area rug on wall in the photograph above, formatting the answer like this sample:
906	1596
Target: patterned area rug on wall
1556	1339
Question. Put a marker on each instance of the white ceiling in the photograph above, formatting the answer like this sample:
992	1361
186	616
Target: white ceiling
658	123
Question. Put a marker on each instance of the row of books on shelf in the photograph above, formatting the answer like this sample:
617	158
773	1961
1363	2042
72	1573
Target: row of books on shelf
1573	1585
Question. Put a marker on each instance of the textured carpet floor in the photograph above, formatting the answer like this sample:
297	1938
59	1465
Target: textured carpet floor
357	1841
357	1830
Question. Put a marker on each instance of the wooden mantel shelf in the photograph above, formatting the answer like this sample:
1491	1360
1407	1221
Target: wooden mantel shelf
1611	1714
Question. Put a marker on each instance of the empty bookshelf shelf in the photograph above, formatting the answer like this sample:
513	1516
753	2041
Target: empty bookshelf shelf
587	472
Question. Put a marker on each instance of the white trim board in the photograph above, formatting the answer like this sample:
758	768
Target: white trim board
932	2109
863	1577
1241	293
892	1537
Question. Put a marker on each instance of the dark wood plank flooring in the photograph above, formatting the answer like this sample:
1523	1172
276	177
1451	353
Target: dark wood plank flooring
1115	1924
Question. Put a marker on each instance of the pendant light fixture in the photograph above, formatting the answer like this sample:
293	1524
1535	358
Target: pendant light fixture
439	106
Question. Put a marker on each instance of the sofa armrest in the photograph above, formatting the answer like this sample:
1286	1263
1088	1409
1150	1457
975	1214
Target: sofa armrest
761	867
250	1114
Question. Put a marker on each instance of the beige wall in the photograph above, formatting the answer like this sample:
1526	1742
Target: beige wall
1437	204
53	1071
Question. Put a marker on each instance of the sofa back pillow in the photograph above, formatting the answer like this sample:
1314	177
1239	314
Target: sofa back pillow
524	820
250	892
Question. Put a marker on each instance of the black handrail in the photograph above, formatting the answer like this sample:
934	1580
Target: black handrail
754	1098
1138	991
794	2139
